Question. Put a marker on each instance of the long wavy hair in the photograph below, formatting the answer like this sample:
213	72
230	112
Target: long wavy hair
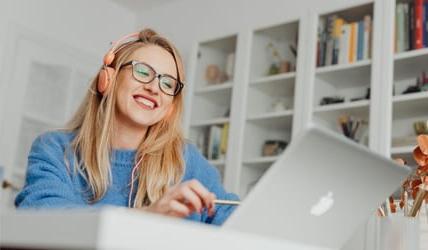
161	150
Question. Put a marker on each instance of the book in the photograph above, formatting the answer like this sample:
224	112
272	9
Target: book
412	26
202	141
214	142
329	52
224	139
352	42
344	44
406	27
367	36
321	42
360	43
399	28
336	37
330	40
419	8
426	24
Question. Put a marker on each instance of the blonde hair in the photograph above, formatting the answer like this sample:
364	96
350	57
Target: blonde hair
161	150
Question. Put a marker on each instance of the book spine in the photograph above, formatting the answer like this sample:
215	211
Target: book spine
400	34
426	24
367	36
342	45
412	26
397	25
360	53
336	36
406	46
330	42
352	42
224	138
322	41
418	24
346	42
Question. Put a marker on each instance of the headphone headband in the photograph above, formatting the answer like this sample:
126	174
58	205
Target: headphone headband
109	57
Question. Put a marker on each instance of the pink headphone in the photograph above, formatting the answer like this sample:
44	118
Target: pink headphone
106	73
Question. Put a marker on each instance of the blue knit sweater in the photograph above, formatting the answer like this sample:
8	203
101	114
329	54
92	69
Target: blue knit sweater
50	185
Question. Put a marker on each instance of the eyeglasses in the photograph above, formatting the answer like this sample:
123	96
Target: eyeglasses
144	73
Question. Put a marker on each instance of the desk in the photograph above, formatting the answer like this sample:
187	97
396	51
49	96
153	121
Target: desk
121	228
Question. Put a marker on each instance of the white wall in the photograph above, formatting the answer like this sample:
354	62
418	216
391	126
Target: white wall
77	24
197	20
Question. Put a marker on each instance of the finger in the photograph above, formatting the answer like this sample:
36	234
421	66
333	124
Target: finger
178	209
205	195
211	210
189	197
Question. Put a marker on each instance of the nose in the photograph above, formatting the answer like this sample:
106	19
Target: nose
152	86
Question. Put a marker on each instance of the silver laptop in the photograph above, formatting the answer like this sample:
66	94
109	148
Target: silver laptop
319	191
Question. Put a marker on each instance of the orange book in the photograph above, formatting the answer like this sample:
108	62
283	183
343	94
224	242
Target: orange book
352	42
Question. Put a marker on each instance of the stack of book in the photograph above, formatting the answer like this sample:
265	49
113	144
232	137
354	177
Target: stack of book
341	42
411	25
212	141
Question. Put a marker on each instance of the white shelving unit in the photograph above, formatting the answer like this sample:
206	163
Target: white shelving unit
346	80
407	108
270	98
263	99
212	94
251	96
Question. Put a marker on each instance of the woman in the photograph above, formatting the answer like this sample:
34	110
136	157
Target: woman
124	146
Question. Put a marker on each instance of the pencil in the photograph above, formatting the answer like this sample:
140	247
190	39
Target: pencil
226	202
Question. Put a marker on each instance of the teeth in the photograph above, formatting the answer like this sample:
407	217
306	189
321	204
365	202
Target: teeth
144	101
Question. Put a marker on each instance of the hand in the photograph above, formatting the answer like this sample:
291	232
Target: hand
183	199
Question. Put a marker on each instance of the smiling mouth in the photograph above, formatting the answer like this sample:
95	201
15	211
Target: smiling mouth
145	102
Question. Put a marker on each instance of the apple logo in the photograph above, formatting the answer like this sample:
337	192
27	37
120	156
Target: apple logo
323	205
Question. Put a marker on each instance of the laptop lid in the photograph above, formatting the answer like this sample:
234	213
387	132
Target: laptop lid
319	191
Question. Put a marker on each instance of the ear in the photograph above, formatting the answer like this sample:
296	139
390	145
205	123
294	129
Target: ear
105	77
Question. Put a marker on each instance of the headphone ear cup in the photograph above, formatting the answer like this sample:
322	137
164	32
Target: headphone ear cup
104	78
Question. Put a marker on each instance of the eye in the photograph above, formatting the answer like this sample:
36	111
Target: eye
168	82
142	70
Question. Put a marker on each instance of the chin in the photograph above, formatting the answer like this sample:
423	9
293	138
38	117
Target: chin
144	120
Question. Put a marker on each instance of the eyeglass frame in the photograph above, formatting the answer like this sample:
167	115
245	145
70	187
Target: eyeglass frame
179	87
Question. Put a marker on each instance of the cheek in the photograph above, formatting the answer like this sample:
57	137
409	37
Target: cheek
167	107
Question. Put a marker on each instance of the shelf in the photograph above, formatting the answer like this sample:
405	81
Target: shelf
410	105
411	54
215	88
347	75
343	106
209	122
402	150
343	67
263	159
275	78
271	115
273	121
410	97
410	64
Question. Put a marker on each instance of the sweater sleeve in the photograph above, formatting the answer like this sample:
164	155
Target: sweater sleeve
48	183
210	178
